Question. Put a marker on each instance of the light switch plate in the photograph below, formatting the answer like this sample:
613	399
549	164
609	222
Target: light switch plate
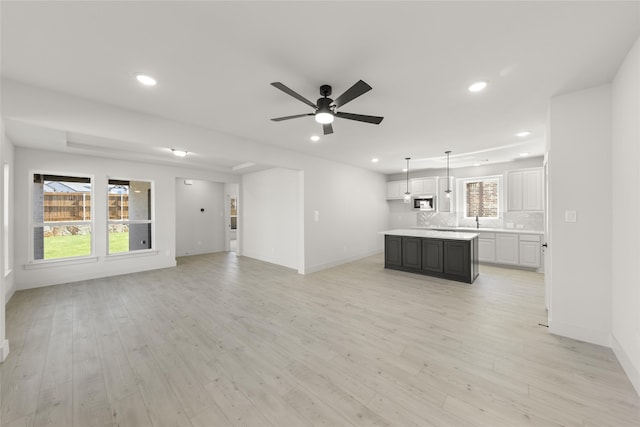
570	216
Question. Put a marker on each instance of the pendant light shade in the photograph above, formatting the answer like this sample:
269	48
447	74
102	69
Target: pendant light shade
407	194
448	190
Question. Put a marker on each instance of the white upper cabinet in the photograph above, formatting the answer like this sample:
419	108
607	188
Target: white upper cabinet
396	189
532	185
444	203
525	190
424	186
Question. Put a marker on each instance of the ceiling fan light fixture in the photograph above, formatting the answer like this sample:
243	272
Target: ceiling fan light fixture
324	109
324	117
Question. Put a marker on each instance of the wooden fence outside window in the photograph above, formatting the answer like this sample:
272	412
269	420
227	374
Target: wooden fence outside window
61	207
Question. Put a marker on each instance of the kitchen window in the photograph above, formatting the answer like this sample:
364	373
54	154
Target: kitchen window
481	198
130	215
61	220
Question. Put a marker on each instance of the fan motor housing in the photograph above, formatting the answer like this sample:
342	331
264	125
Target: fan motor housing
325	90
324	103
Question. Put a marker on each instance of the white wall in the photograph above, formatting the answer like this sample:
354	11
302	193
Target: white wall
340	212
270	217
199	232
352	209
7	283
163	177
580	180
625	251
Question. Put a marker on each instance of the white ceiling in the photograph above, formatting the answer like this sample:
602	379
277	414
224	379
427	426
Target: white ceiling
214	62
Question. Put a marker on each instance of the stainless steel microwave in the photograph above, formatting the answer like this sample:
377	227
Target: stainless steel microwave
424	203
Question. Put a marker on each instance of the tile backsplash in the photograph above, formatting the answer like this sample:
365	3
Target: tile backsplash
436	219
516	220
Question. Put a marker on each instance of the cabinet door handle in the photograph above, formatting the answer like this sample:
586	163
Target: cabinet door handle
544	245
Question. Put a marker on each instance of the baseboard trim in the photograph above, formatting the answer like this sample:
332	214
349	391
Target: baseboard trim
9	294
579	333
632	371
4	350
320	267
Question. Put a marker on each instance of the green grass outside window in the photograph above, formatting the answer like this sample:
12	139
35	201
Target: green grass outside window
80	245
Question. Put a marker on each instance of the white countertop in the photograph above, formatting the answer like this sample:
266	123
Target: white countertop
429	233
480	230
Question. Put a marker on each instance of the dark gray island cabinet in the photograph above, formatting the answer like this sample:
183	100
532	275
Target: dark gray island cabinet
449	255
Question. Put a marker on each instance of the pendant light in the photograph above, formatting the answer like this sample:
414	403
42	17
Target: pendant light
448	190
407	195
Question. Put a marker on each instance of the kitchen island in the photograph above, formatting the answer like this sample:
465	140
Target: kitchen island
446	254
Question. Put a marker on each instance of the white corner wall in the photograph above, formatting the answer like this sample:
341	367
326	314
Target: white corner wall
197	231
580	181
625	251
351	209
270	223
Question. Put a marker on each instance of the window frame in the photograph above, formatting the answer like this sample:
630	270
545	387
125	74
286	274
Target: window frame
463	200
32	224
151	221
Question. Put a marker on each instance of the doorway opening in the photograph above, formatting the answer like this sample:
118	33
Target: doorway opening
232	205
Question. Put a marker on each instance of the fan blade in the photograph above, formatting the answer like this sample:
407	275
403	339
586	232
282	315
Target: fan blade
279	119
353	92
327	128
360	117
294	94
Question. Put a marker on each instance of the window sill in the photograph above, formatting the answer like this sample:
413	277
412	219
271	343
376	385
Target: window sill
36	265
134	254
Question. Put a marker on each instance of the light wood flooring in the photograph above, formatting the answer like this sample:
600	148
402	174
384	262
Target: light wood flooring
222	340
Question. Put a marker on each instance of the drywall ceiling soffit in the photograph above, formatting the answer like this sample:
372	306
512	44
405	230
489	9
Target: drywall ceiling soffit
29	136
214	62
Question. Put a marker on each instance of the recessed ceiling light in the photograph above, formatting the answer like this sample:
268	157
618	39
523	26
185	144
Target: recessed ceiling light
146	79
315	138
478	86
476	164
375	160
524	133
179	153
404	169
524	154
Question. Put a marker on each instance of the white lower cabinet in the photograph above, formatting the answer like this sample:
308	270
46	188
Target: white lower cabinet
507	248
487	247
523	250
530	250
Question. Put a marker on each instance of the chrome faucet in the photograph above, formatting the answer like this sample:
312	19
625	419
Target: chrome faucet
477	222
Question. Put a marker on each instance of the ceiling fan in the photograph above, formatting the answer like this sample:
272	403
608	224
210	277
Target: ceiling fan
326	108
